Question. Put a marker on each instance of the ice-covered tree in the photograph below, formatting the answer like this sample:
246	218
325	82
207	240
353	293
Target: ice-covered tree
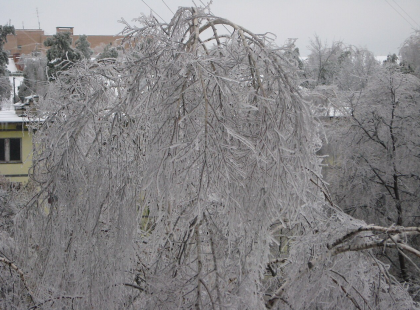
108	52
14	289
376	170
83	46
184	176
35	78
324	61
61	56
357	65
5	87
410	53
333	75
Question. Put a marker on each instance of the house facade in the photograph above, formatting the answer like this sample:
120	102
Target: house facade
15	145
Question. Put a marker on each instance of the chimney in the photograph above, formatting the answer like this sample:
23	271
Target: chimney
64	29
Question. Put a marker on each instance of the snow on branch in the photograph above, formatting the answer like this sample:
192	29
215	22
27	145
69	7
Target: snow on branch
21	275
394	237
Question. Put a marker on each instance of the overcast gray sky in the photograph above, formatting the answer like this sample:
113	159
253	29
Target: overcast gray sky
379	25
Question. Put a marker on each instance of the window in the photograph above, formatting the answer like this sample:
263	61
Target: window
11	150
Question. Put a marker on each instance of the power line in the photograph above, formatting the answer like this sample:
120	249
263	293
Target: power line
168	7
211	12
400	14
406	13
154	11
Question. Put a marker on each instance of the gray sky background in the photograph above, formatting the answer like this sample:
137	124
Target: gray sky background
378	25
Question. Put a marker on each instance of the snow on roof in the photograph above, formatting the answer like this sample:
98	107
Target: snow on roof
8	115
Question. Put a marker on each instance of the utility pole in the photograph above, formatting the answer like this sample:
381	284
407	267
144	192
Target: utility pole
14	91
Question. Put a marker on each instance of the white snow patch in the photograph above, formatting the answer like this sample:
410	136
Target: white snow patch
381	59
18	82
11	66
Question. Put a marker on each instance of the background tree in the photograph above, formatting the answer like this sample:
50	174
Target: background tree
5	87
61	56
358	172
324	61
410	53
35	78
356	66
378	142
83	46
391	59
186	175
334	75
108	52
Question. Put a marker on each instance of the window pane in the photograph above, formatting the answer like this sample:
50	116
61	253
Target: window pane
14	149
2	149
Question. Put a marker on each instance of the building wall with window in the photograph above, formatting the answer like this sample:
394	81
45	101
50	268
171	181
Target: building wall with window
15	147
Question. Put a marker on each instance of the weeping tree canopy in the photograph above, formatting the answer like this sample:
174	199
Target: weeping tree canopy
183	175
